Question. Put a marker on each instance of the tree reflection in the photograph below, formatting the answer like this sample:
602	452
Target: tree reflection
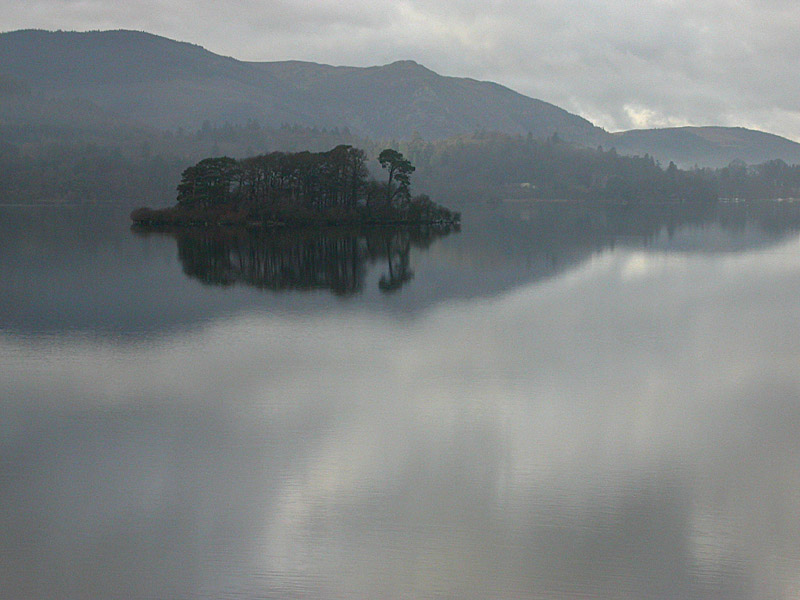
522	240
332	259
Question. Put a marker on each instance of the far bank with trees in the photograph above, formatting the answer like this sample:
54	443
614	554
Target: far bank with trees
302	188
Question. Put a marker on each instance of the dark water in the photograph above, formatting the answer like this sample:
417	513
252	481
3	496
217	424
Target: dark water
553	403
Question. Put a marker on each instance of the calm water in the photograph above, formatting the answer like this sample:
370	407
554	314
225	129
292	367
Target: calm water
552	403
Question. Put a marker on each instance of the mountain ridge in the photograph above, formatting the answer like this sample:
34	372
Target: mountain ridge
708	144
167	84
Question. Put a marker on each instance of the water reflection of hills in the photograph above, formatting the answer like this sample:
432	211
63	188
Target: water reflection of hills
78	268
564	233
553	236
332	259
507	246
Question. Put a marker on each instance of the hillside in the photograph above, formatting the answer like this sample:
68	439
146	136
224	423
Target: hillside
169	84
707	146
34	119
112	81
397	99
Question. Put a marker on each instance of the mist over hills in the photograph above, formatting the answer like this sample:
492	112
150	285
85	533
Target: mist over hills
72	117
168	84
116	79
707	146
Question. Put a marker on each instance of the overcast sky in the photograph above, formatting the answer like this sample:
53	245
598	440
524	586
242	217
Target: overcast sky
619	63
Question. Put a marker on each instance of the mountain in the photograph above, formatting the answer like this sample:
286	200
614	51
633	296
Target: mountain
144	77
706	146
28	118
146	81
397	99
169	84
12	88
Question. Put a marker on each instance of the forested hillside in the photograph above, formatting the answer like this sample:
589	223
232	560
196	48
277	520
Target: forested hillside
116	116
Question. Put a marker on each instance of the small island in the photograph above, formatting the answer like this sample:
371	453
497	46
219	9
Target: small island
303	188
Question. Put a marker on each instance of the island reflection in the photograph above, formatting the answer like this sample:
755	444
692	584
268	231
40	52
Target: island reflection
334	259
542	436
548	237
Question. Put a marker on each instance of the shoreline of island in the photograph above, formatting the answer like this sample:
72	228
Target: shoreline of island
281	189
171	217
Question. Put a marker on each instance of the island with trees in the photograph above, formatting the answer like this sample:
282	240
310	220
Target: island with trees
302	188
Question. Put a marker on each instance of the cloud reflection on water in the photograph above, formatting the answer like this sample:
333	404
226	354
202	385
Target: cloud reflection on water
627	429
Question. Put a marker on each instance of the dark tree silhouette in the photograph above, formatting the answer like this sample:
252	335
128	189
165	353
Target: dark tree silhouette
400	169
208	183
296	188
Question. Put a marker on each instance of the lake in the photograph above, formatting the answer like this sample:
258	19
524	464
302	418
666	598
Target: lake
555	402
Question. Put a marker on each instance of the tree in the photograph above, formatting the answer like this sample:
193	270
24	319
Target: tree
208	183
331	186
345	171
400	169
